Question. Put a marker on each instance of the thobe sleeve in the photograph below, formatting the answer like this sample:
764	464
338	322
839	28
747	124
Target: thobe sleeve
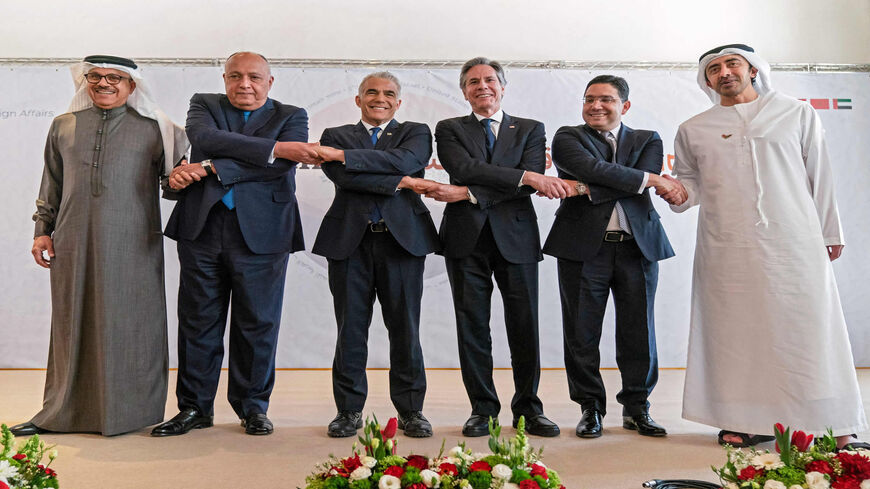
820	176
686	171
51	187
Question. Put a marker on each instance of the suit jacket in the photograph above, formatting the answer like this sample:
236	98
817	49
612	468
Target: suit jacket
520	146
264	193
369	177
581	153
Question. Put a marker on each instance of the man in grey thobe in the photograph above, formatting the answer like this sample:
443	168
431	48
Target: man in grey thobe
98	221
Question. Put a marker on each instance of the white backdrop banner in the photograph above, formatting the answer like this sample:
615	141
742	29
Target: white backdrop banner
661	100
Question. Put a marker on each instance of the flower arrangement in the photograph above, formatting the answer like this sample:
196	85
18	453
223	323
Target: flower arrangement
21	468
798	464
511	465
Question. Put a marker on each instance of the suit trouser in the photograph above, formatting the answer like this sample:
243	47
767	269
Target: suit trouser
380	267
218	269
585	287
471	284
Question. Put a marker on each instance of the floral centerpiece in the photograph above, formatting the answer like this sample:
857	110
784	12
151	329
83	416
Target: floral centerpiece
513	464
798	464
21	468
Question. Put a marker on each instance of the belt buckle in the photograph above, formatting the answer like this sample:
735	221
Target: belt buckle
614	237
378	227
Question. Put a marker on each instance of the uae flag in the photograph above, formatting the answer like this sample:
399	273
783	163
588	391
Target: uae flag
842	103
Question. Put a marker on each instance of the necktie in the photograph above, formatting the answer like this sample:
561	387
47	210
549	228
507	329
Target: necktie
375	216
620	212
228	199
490	137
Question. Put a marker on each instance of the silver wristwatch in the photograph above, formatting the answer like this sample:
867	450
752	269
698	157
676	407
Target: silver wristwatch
582	189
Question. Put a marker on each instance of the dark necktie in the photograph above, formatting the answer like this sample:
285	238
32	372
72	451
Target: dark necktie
490	137
376	212
228	199
620	212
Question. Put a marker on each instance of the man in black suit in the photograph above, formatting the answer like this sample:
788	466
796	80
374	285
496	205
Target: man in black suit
607	237
376	236
490	230
236	222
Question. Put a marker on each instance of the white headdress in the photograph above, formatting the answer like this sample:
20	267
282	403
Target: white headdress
140	100
762	79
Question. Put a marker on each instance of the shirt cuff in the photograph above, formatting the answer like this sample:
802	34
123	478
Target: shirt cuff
643	183
272	155
520	183
471	197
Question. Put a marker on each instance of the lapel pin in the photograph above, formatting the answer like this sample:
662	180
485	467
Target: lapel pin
726	136
512	127
389	134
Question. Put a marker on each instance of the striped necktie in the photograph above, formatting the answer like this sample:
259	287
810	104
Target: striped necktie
620	212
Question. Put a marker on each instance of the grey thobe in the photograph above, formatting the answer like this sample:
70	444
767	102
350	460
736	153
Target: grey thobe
99	200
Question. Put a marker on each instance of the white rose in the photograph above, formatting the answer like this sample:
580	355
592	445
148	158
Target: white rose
817	480
361	473
369	462
389	482
502	471
510	485
772	484
430	478
795	486
865	484
455	451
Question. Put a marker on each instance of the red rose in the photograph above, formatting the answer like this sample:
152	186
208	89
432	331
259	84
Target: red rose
538	470
801	440
351	463
820	466
448	469
19	456
529	484
479	466
395	471
3	485
417	485
418	461
390	430
749	473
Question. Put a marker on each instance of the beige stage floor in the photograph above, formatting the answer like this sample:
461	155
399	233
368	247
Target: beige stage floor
224	457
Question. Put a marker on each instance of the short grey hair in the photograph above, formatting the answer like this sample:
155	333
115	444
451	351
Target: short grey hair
386	75
480	60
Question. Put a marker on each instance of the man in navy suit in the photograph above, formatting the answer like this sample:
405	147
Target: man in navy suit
236	221
490	229
607	237
376	236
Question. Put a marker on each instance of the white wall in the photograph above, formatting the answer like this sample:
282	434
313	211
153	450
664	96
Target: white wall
809	31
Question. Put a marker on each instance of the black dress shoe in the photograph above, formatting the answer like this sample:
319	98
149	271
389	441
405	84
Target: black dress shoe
27	429
644	425
477	425
590	424
415	425
186	420
539	425
345	424
257	424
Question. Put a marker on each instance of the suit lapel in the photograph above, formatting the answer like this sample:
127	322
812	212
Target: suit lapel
363	137
624	144
602	147
507	138
386	139
475	132
258	118
234	118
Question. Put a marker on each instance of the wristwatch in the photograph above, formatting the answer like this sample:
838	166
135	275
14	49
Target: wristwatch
582	189
207	166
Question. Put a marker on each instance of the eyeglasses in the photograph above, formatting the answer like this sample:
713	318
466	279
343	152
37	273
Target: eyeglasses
111	78
604	100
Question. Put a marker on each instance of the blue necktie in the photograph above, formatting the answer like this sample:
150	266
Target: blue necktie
490	137
228	199
376	212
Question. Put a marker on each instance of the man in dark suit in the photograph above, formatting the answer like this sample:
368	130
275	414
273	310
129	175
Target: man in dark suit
376	236
490	230
236	222
608	238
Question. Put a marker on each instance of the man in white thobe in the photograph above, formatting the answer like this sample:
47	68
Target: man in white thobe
768	342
